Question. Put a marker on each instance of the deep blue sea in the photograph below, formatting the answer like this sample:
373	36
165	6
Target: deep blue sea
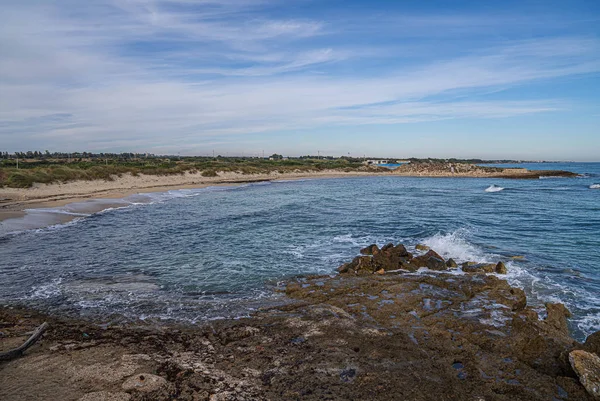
193	255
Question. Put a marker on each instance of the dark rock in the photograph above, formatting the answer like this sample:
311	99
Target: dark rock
347	375
370	250
592	343
501	268
344	268
478	268
430	260
298	340
450	263
359	265
434	263
387	247
406	264
400	250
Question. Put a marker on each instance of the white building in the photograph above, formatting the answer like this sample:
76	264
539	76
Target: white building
375	162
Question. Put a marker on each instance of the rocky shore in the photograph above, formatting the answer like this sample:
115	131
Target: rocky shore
379	330
437	169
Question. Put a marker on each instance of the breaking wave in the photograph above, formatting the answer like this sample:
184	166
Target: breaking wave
595	186
493	188
455	245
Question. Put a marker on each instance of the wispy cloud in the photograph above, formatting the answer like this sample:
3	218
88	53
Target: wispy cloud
147	74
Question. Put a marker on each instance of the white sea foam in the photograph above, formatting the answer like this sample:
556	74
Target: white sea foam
589	323
493	188
454	245
595	186
48	290
296	180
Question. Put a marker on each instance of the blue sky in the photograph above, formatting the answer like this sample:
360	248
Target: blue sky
490	79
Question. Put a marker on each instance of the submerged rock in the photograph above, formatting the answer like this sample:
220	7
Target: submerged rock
587	367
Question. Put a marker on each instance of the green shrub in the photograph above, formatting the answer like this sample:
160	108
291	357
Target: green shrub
19	180
209	173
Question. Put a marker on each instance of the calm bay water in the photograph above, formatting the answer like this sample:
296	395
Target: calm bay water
219	252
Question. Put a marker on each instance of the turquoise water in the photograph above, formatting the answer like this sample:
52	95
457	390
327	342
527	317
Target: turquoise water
219	252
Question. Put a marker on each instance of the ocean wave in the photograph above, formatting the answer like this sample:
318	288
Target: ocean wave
45	291
595	186
42	219
550	177
292	180
494	188
455	245
58	211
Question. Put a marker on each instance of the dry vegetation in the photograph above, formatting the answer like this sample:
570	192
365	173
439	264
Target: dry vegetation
55	171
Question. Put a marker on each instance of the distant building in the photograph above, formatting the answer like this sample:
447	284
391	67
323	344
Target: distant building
375	162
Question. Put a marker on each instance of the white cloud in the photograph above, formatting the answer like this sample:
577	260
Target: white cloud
141	74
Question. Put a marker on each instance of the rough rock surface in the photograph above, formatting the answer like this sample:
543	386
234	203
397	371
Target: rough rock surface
587	367
105	396
144	382
426	336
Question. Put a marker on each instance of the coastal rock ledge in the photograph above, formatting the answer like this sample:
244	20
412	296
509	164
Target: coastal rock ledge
376	331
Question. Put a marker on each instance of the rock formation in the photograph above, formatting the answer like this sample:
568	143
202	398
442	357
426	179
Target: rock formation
374	332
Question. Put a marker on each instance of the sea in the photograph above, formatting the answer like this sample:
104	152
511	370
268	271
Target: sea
196	255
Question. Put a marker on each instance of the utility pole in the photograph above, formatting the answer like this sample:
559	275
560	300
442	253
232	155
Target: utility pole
17	163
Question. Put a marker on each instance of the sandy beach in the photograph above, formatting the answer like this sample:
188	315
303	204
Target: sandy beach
13	201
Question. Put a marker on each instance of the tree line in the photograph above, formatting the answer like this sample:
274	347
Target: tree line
35	154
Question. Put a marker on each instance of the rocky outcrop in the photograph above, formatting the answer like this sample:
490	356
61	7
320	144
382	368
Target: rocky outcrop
501	268
375	260
441	169
478	324
393	258
373	332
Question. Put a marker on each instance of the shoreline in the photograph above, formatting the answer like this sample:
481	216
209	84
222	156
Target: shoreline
362	334
14	201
